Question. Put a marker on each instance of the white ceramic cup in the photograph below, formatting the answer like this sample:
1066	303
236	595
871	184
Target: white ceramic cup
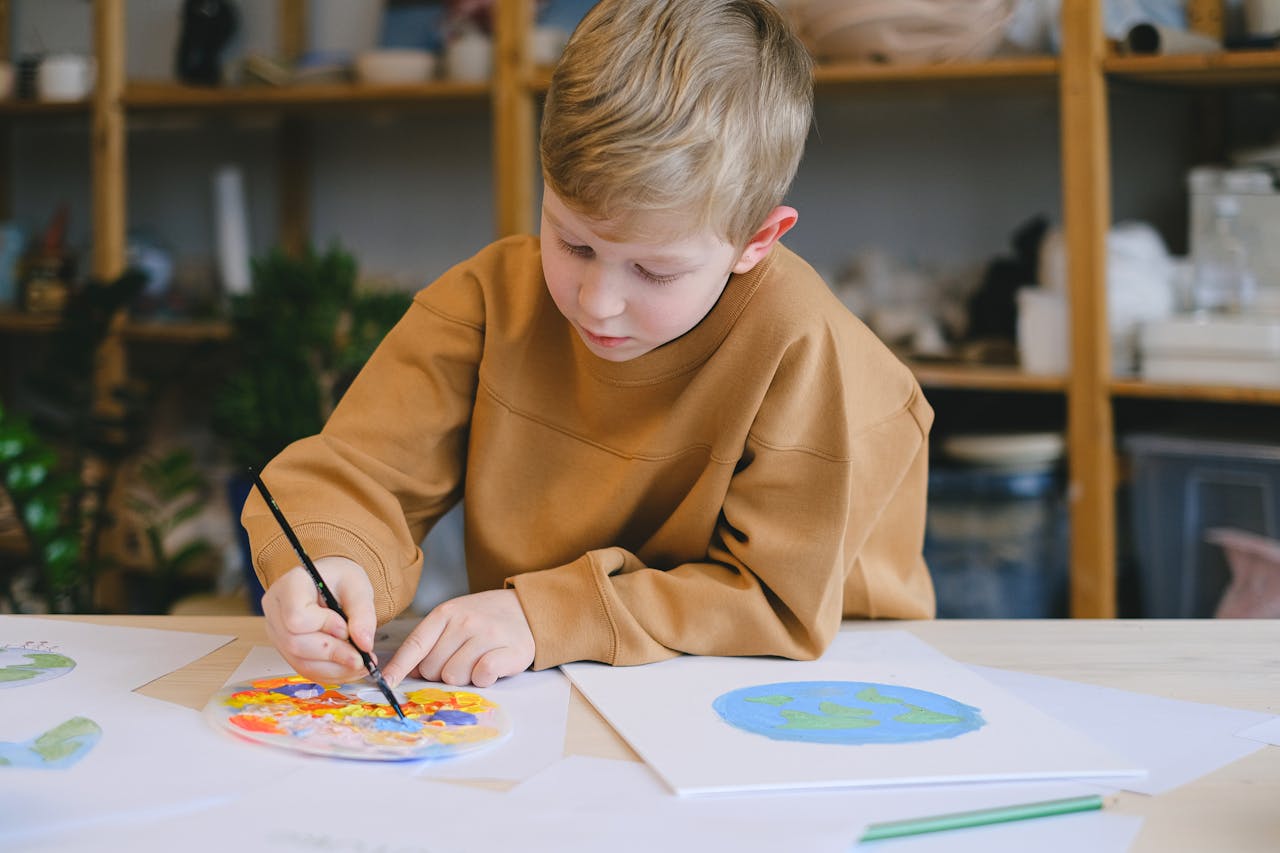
65	77
468	57
1044	346
1262	18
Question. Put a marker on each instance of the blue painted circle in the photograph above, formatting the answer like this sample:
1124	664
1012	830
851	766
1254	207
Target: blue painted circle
846	712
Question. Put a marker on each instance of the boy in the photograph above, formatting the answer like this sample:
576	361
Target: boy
668	435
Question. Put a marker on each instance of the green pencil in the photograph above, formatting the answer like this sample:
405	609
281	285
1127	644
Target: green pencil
981	817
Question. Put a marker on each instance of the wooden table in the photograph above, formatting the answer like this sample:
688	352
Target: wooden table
1234	663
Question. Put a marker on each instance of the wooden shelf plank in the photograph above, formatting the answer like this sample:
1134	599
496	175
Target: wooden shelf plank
1021	69
1000	69
1195	393
13	108
985	378
155	331
176	331
143	95
20	322
1230	68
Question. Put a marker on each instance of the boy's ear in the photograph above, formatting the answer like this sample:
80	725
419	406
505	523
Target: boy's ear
779	221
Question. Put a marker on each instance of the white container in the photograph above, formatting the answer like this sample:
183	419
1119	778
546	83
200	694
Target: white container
345	27
65	77
391	66
231	229
1212	350
468	57
1262	18
1044	345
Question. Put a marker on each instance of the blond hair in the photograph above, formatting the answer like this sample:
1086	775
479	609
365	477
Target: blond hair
694	108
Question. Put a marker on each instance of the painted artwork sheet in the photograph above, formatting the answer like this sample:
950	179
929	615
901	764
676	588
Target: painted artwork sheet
356	721
27	662
85	760
69	655
880	708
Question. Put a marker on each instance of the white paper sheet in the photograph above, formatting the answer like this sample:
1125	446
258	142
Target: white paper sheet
536	702
331	806
152	759
624	803
665	711
1265	732
1177	741
108	658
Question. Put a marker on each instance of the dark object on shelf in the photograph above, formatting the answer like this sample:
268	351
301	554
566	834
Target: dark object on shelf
207	27
24	87
48	268
993	308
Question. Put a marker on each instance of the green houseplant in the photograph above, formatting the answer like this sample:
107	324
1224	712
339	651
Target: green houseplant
299	337
59	459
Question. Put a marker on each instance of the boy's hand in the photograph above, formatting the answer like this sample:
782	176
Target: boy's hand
472	639
310	636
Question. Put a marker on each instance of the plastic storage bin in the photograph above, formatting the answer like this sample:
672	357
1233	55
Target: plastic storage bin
1182	488
996	542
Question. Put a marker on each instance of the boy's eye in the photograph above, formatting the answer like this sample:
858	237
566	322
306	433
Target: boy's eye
654	277
579	251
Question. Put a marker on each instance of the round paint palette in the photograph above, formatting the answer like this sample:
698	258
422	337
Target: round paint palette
356	721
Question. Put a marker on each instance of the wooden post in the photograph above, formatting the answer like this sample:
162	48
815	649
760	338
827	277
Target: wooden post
1086	220
293	29
107	165
514	157
6	137
1205	16
293	144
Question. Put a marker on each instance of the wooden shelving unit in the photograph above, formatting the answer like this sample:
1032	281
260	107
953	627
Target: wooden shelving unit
1081	77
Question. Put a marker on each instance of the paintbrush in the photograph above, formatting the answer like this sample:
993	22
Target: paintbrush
332	603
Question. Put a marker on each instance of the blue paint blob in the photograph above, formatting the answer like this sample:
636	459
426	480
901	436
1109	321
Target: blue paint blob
454	718
393	724
299	691
846	712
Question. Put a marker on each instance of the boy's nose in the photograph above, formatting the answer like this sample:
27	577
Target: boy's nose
598	297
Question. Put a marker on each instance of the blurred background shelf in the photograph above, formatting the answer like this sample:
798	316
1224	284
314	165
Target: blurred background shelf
984	378
1195	393
141	95
1210	70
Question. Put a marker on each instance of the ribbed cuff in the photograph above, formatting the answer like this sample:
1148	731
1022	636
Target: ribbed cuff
567	613
322	539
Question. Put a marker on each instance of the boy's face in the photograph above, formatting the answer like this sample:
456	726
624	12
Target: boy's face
628	298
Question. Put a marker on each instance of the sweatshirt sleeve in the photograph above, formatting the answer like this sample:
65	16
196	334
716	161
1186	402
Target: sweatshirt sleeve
389	462
798	528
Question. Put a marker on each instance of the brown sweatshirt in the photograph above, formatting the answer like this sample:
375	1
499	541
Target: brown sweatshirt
733	492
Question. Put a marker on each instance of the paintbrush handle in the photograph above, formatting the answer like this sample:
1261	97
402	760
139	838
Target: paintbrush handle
329	599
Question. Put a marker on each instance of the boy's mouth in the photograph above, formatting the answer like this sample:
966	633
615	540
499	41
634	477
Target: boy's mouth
602	340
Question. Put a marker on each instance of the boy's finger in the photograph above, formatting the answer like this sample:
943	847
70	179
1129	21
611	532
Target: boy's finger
421	640
355	594
494	664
